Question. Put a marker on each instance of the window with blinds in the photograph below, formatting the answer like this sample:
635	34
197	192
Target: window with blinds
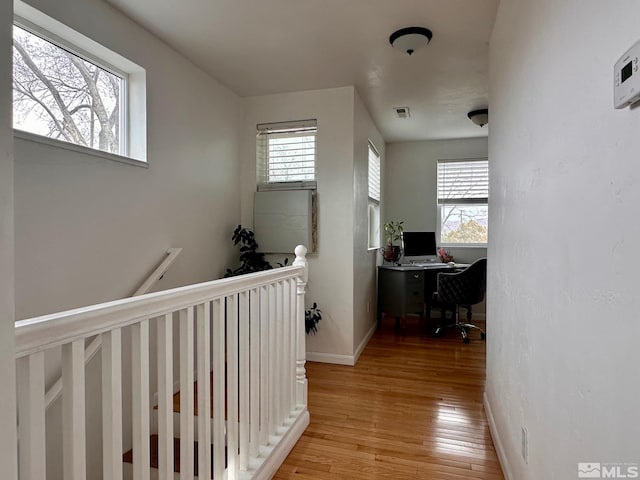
463	201
286	153
374	173
374	197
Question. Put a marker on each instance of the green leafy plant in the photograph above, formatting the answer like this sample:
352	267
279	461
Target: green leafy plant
253	261
393	232
250	259
311	319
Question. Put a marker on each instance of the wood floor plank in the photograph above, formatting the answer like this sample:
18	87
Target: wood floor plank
411	408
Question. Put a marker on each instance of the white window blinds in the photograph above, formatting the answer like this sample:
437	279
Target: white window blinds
463	181
374	173
286	152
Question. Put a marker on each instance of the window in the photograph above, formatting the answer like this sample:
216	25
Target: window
286	153
60	95
374	197
463	195
77	95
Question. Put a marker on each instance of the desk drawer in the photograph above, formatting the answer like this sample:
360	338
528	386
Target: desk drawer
414	278
400	292
414	291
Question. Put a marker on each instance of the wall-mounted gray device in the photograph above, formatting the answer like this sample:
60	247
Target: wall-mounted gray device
282	220
626	78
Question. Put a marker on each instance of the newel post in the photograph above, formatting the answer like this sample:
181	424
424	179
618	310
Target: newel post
301	350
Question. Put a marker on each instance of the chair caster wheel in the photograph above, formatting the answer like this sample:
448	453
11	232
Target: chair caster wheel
483	336
465	340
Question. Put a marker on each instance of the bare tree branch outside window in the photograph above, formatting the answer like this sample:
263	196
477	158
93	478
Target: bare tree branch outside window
59	95
462	219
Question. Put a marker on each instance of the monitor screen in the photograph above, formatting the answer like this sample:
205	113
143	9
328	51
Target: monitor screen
419	244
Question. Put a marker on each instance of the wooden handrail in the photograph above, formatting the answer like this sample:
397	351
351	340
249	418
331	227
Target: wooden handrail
159	272
94	346
42	333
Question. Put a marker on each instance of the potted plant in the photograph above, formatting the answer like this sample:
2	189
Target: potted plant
250	259
253	261
311	319
445	255
392	232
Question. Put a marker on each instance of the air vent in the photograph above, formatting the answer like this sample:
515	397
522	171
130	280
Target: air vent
402	112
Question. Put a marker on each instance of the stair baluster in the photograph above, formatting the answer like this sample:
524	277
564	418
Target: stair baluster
241	354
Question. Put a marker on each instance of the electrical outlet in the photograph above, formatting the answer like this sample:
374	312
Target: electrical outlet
368	306
525	445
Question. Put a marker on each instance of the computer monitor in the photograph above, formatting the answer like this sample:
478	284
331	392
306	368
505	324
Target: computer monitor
419	247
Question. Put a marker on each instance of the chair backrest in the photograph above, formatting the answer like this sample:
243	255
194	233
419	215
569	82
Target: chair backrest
465	288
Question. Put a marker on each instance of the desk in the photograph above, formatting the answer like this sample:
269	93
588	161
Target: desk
404	290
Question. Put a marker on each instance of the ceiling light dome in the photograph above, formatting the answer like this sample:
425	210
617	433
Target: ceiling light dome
410	39
479	117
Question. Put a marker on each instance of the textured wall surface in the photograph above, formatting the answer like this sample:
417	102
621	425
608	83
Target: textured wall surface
7	369
562	349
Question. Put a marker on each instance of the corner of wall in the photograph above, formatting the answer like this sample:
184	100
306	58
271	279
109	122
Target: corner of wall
497	439
330	270
8	442
364	259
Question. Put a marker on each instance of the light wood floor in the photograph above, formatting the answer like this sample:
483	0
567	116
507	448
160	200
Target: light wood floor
410	409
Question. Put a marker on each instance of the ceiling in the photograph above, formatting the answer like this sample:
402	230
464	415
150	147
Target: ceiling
257	47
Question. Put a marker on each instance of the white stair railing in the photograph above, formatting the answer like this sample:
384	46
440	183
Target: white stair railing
248	330
94	346
158	273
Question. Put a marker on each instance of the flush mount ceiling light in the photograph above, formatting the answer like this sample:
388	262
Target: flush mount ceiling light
410	39
479	117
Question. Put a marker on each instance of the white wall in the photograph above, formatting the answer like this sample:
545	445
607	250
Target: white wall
7	366
364	260
89	229
331	269
562	345
411	187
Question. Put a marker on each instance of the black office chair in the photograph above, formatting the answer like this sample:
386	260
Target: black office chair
464	288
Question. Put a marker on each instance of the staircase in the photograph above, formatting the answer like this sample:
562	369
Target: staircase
153	444
154	439
241	424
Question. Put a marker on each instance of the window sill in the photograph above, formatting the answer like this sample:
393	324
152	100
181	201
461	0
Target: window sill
464	245
306	185
52	142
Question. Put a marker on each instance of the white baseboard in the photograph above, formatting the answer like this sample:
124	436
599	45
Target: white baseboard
277	455
497	442
337	359
271	457
331	358
364	342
